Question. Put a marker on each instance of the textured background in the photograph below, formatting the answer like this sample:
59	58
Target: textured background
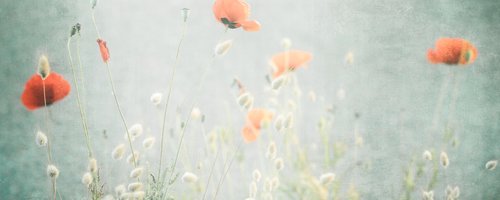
390	83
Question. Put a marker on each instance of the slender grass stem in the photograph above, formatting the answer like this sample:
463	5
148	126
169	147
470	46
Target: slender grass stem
80	106
226	171
49	154
81	75
110	77
171	83
210	175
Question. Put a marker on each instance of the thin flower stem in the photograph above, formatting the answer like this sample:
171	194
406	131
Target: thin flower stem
49	154
80	106
221	181
121	113
54	188
95	24
210	175
81	74
171	83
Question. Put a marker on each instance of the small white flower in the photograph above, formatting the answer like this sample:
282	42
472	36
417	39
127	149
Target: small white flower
139	195
286	43
52	171
245	100
268	186
195	113
427	155
326	178
92	165
118	152
87	179
148	142
137	172
223	47
444	160
156	98
136	186
491	165
120	189
253	189
135	130
41	139
189	177
256	175
279	164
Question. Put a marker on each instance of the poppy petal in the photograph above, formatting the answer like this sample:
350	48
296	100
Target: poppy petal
251	26
56	88
250	133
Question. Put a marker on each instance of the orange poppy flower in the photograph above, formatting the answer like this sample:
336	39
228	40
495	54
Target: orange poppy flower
452	51
234	14
257	116
56	88
289	61
250	133
104	50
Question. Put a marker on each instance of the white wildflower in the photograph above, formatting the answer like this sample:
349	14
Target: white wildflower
428	195
271	150
279	164
278	123
137	172
286	43
130	158
275	183
195	113
120	189
135	130
256	175
92	165
427	155
43	67
52	171
136	186
41	139
288	123
444	160
349	58
278	82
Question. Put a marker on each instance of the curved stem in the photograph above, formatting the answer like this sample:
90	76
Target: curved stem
221	181
210	175
171	83
121	114
49	154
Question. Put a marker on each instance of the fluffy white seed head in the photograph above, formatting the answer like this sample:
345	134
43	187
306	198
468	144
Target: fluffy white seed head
137	172
278	123
428	195
120	189
136	186
444	159
427	155
349	58
286	43
148	142
108	197
452	192
279	164
268	186
92	165
223	47
52	171
196	113
43	67
156	98
256	175
271	150
136	130
278	82
252	190
341	94
87	179
139	195
118	152
288	123
326	178
41	139
189	177
245	100
491	165
130	158
275	183
312	96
